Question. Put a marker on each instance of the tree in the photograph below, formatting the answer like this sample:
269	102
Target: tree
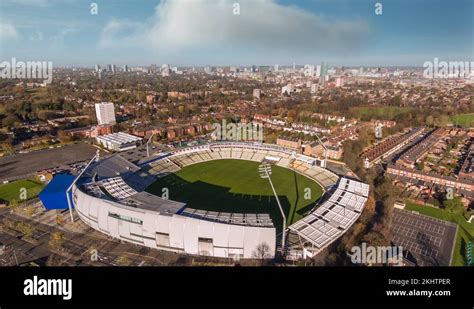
10	120
13	205
64	137
30	210
454	206
25	228
56	240
45	115
376	239
420	166
59	220
123	261
7	147
442	121
262	251
429	120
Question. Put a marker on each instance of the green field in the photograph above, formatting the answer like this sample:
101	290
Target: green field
235	186
465	229
11	191
465	120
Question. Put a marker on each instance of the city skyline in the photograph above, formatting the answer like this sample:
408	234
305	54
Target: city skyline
341	32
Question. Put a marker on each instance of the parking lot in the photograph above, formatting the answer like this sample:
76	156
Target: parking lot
15	249
27	163
429	241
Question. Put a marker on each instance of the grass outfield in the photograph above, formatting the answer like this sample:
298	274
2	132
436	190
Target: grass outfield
11	191
465	120
235	186
465	229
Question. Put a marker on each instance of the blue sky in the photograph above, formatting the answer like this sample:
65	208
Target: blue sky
206	32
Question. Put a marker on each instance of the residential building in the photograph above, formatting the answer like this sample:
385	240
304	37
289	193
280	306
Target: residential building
105	113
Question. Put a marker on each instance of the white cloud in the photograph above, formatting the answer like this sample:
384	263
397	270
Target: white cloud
7	31
179	25
120	33
58	38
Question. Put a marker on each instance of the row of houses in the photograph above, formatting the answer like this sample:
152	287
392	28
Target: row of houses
314	149
90	131
174	131
465	186
467	169
387	147
420	150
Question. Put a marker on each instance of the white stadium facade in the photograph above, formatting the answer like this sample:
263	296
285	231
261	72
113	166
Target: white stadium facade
109	196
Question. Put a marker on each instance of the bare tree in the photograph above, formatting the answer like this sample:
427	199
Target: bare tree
30	210
26	229
13	205
123	260
56	240
262	251
59	220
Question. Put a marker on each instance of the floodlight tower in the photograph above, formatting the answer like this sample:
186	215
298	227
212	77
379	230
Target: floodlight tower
325	151
265	170
148	142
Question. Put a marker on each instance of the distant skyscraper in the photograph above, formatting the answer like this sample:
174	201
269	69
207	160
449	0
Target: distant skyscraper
324	68
114	69
208	70
165	70
97	68
125	68
309	70
276	67
324	73
105	113
317	73
109	67
294	66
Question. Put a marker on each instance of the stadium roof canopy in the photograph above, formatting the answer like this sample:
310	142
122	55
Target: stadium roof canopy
53	196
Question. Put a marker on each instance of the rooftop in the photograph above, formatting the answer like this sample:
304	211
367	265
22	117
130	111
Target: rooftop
120	138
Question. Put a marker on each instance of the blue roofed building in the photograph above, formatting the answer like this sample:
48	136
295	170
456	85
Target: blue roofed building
53	196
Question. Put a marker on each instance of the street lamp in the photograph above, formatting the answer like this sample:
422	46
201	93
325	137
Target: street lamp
265	170
148	142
